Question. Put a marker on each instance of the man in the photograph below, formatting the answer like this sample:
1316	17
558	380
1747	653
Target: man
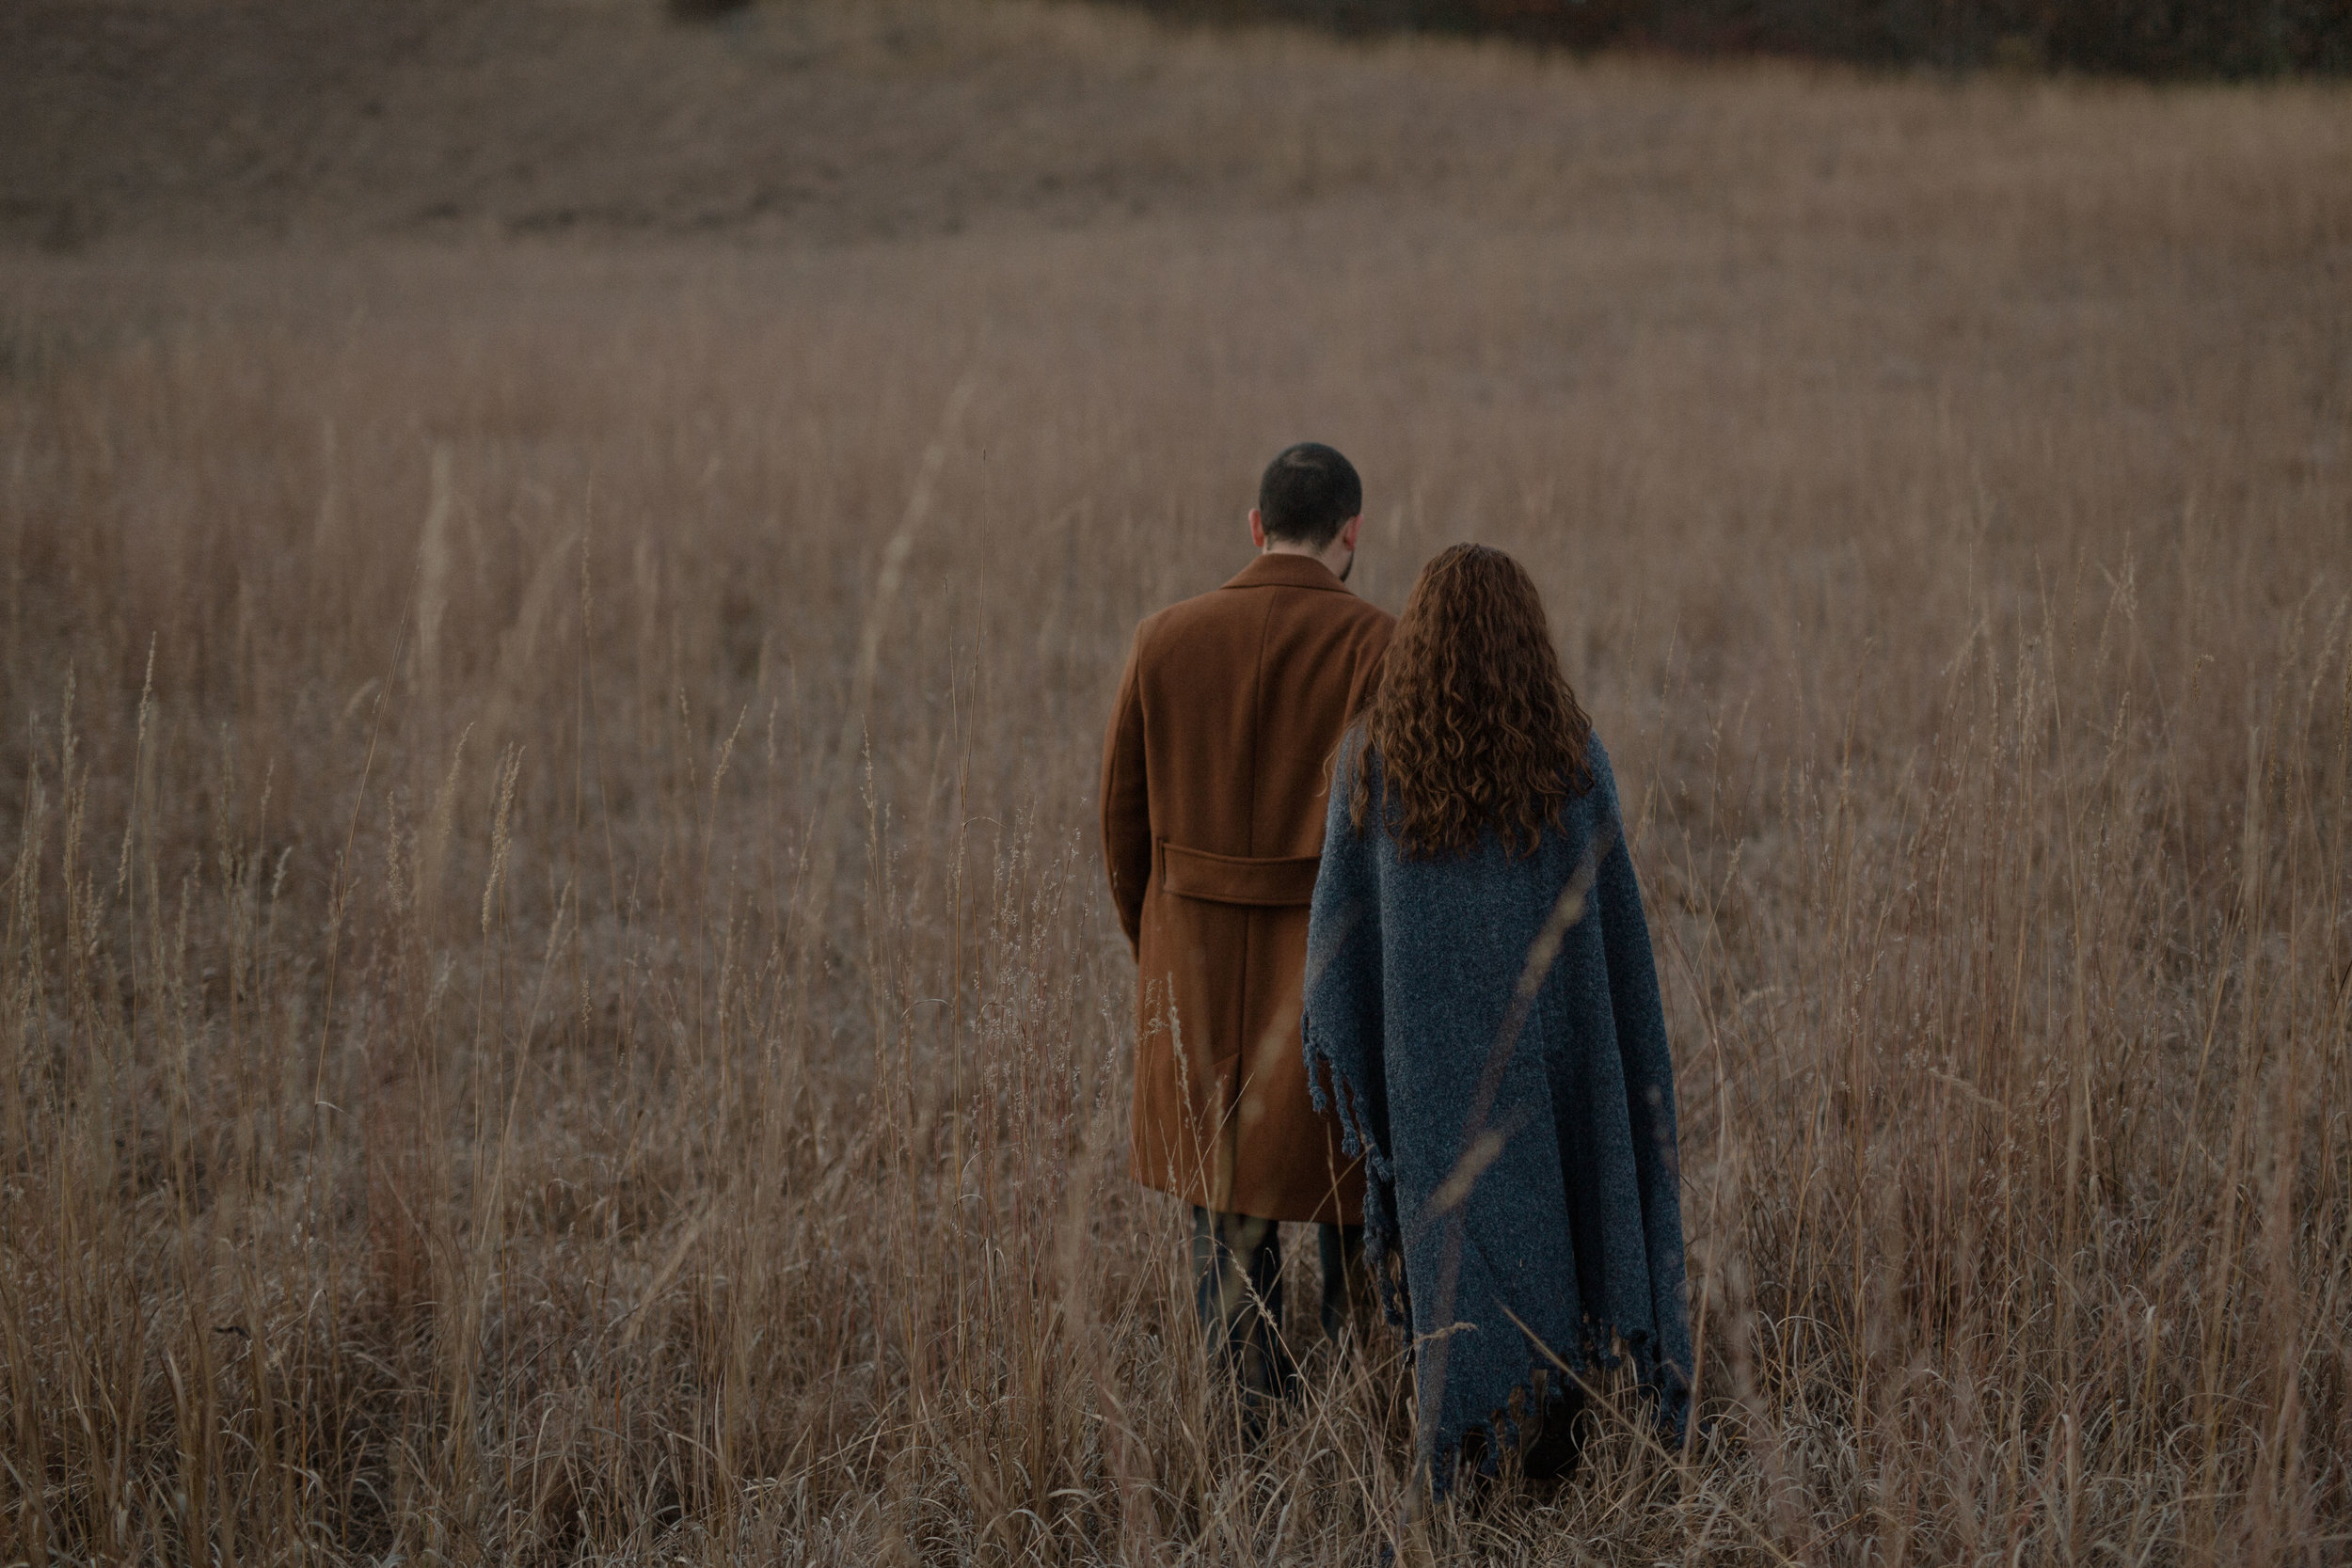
1215	773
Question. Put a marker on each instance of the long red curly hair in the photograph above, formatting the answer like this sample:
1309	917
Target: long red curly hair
1474	724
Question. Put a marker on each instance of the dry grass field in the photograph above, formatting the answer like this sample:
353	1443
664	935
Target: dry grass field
559	1004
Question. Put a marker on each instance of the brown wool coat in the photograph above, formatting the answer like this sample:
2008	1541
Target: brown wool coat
1215	774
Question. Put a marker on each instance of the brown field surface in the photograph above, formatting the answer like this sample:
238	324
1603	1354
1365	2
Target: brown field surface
562	573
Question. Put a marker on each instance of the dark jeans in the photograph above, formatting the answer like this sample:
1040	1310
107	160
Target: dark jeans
1238	1285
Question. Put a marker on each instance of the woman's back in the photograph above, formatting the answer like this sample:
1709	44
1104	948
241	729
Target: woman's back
1484	1017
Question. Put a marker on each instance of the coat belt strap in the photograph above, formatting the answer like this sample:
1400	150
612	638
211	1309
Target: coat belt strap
1270	881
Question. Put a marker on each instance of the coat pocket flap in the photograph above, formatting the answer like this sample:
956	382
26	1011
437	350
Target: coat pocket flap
1271	882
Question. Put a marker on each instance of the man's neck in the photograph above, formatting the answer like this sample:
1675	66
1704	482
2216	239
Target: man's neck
1334	558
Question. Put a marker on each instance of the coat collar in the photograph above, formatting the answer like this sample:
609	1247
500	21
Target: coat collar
1282	570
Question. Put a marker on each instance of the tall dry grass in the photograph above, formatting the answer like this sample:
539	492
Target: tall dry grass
558	1001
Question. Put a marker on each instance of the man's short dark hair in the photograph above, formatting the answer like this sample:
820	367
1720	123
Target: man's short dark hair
1308	495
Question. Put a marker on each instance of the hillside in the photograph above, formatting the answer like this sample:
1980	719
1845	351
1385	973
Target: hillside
799	118
176	121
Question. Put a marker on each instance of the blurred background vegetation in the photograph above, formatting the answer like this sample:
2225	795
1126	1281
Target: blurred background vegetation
2148	38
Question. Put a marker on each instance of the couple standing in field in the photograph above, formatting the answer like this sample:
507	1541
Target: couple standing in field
1394	980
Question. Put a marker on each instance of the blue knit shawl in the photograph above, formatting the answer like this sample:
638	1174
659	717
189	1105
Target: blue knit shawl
1488	1030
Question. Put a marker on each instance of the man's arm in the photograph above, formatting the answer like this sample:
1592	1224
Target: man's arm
1126	802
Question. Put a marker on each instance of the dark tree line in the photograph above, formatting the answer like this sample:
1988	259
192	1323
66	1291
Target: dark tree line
2148	38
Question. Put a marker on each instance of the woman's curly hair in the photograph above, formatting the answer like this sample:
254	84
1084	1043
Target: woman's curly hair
1474	724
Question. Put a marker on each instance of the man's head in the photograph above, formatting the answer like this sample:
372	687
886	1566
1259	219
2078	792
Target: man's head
1309	502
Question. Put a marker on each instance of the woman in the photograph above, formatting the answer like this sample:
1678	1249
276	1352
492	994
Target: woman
1482	1013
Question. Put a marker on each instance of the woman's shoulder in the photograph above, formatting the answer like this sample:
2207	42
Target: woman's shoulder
1603	792
1589	811
1354	754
